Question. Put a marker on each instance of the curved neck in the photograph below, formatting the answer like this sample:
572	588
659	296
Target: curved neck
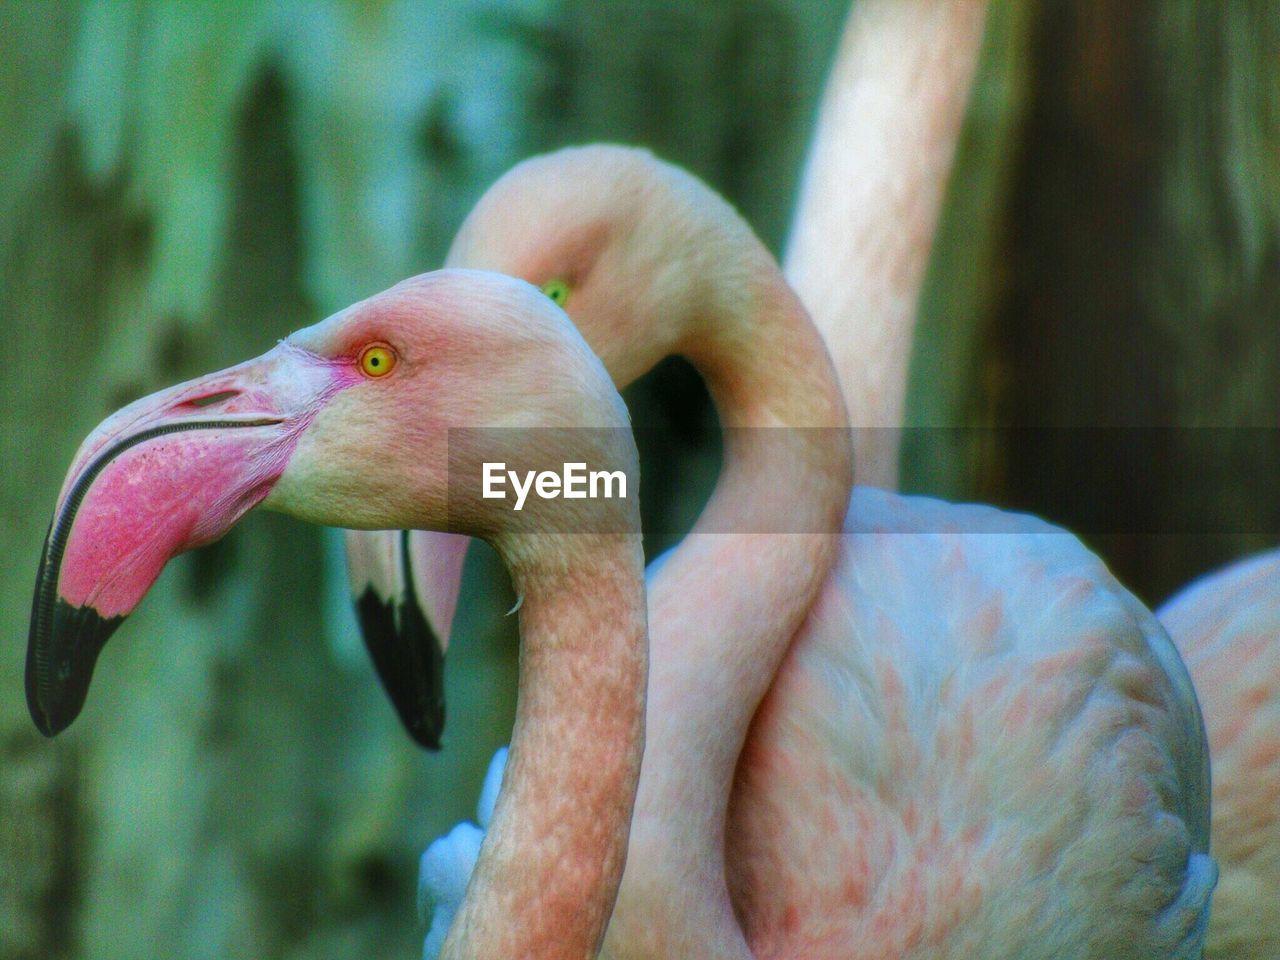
870	199
766	539
556	846
727	601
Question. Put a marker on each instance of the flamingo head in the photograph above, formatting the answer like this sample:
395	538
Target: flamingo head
636	250
357	421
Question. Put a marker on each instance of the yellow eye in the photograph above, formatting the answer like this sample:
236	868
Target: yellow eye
377	361
558	291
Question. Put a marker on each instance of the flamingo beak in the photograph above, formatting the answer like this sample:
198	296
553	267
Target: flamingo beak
172	471
405	586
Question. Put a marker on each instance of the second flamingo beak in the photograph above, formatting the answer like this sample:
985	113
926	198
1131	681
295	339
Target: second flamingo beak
172	471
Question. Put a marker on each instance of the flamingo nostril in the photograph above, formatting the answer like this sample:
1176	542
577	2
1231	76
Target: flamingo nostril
213	398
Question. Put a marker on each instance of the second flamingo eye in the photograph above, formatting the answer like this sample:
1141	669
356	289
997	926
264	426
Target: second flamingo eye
377	361
558	291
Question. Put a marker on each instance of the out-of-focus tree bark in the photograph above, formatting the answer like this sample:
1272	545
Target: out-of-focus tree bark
1144	282
1107	348
48	347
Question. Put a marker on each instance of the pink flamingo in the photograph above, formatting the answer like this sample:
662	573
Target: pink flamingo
827	873
1227	627
970	740
346	422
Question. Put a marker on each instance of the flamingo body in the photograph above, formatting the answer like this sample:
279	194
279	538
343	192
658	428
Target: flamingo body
1227	626
974	738
979	744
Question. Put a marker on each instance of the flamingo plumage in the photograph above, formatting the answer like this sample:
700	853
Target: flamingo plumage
1227	627
955	732
365	419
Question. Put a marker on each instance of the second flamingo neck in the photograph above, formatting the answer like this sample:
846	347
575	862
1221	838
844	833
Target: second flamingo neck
727	601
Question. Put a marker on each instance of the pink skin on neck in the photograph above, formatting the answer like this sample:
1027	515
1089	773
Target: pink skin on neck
545	883
711	663
864	224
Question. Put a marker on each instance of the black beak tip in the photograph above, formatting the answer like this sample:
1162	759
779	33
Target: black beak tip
409	661
425	732
62	650
43	720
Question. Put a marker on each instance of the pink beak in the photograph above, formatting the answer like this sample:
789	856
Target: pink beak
172	471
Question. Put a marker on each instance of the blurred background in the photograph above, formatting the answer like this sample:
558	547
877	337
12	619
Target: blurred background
183	183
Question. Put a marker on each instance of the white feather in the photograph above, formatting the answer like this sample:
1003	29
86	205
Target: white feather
446	866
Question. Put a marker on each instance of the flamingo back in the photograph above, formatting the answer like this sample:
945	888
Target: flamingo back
979	744
1228	628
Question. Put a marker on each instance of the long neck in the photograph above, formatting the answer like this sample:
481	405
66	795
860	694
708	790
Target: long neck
871	196
556	846
727	601
766	539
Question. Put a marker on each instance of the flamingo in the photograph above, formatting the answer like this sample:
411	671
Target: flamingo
874	184
1227	627
966	740
351	421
